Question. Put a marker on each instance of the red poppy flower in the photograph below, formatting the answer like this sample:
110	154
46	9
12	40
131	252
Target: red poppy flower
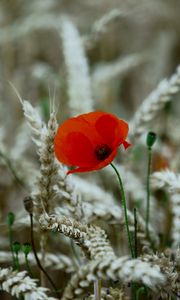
90	141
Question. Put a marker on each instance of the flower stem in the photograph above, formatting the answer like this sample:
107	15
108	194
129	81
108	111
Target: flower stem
140	291
11	242
37	259
125	209
17	262
28	265
10	221
148	191
135	234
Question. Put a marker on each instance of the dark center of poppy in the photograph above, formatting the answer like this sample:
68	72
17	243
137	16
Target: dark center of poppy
102	151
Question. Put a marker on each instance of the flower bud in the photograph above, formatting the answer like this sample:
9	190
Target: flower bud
151	138
16	247
10	218
26	248
28	204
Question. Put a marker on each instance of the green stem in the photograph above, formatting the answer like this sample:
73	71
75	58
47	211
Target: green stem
28	265
125	209
140	291
17	262
37	259
133	290
11	247
148	192
135	234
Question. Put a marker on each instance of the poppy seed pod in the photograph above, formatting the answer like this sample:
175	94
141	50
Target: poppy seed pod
26	248
16	247
90	141
151	138
28	204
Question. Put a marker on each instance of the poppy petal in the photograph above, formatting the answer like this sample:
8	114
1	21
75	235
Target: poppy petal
126	145
79	124
112	129
92	117
98	166
122	132
106	126
74	149
83	141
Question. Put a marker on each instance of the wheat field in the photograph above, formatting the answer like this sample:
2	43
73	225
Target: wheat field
66	236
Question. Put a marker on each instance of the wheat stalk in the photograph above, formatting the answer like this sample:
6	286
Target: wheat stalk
55	261
108	268
102	25
169	265
171	182
79	84
19	284
166	179
150	107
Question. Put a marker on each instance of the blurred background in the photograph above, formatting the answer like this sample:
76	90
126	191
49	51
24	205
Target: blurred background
130	46
105	55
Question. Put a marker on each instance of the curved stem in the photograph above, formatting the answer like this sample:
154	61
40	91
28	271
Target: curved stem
28	265
125	209
148	192
12	170
37	259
